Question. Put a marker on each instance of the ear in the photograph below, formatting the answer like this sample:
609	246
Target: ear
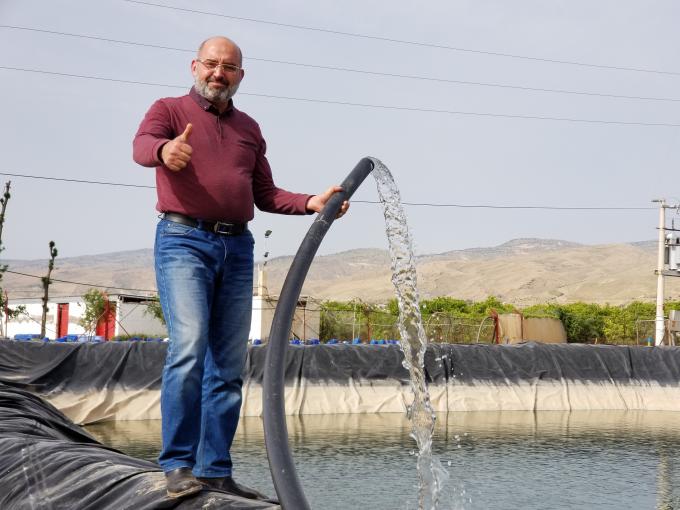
194	64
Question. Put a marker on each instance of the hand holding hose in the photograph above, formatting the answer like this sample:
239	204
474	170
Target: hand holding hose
317	202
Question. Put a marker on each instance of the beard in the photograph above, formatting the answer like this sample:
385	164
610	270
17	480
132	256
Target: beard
221	95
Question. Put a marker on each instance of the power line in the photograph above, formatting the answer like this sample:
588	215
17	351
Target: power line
52	298
36	296
541	207
80	283
79	181
416	204
408	42
474	114
365	105
47	329
100	78
360	71
98	38
153	291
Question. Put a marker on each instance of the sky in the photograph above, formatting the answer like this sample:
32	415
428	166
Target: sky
445	142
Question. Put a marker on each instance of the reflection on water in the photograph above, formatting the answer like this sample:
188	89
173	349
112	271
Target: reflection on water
496	460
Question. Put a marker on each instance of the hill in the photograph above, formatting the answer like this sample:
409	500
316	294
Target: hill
521	271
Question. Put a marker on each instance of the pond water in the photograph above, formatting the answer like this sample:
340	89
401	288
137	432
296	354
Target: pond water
495	460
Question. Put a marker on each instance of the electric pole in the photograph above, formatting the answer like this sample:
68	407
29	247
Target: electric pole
660	321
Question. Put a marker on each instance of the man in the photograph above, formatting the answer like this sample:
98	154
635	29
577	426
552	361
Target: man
211	170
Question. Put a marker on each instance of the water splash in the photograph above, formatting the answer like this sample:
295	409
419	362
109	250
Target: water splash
413	340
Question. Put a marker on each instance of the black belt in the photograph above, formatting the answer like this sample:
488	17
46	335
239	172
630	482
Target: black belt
217	227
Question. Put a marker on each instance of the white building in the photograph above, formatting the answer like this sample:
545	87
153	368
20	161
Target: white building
128	315
125	315
306	321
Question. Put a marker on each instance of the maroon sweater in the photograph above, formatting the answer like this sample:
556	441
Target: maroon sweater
228	171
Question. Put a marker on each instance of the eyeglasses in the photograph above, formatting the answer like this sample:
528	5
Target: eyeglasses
211	65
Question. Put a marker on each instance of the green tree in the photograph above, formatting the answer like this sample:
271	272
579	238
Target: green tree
640	311
448	305
583	322
154	308
357	318
450	319
550	310
366	315
620	322
96	304
482	309
614	327
336	320
46	285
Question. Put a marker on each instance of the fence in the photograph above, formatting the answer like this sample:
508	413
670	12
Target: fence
439	327
645	333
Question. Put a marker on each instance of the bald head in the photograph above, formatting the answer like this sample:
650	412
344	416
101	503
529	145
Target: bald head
221	44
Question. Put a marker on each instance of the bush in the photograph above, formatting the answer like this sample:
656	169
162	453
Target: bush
455	320
153	308
96	303
445	319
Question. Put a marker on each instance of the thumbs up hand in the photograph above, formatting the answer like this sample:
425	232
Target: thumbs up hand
176	153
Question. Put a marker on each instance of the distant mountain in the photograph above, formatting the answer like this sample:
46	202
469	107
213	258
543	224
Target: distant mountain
520	271
132	270
512	247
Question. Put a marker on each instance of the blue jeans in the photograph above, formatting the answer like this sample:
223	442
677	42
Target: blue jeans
205	282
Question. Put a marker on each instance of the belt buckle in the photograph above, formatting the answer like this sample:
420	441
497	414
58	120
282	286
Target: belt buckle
227	231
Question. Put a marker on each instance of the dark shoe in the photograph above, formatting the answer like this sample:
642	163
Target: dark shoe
181	483
227	484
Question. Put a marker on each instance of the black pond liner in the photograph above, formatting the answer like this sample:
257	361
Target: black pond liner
47	462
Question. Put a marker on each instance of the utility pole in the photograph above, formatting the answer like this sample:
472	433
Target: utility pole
660	322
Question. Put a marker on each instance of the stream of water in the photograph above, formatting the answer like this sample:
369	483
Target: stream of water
413	339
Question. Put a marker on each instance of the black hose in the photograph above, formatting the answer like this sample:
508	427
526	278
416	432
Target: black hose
281	465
